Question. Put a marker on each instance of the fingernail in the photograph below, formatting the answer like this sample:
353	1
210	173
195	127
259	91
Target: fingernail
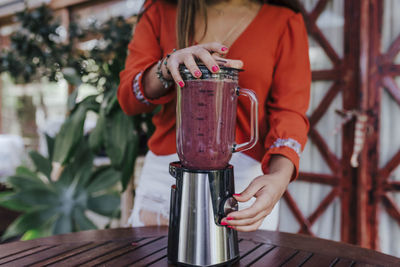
224	48
197	73
229	226
236	195
229	218
224	223
215	68
181	84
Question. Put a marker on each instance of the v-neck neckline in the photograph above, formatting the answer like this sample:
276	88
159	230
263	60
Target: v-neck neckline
248	27
253	21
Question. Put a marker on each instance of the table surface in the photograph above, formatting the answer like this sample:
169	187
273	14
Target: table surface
148	246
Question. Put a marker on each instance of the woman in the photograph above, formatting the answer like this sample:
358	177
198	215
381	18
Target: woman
270	42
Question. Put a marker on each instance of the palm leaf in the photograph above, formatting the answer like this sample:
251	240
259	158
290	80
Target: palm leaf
37	197
106	205
63	224
70	134
128	165
25	172
118	134
50	146
80	167
28	221
8	201
26	183
104	180
81	221
96	137
42	164
71	101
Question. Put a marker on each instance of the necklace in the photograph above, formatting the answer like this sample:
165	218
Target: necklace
236	27
231	31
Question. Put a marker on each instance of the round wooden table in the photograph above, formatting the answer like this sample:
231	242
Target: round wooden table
148	246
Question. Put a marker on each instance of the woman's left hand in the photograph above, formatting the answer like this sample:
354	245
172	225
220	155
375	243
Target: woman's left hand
267	189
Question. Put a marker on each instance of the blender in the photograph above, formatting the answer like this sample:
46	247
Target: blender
203	193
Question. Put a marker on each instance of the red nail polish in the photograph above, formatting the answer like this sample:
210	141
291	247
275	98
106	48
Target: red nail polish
236	195
215	68
223	223
197	73
229	218
224	48
181	84
231	227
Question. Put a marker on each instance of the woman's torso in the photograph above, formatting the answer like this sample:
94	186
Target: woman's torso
256	46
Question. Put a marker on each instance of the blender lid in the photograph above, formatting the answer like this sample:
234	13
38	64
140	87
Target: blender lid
224	73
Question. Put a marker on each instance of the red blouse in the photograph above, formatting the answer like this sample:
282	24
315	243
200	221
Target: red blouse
274	50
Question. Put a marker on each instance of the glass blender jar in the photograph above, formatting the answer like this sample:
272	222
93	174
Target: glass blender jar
206	118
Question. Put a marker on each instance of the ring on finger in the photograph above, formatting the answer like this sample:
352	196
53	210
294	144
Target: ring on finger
166	60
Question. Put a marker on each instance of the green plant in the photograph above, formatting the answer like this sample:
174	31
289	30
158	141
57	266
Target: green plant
121	137
55	207
38	52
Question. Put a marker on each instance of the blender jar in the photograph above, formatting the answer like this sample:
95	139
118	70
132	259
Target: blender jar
206	118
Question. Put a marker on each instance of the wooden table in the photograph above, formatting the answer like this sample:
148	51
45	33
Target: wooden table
148	246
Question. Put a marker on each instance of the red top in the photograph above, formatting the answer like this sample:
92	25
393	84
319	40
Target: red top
274	50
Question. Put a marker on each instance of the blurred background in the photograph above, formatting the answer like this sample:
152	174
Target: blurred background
65	141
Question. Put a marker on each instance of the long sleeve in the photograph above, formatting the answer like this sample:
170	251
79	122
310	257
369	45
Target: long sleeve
144	52
289	96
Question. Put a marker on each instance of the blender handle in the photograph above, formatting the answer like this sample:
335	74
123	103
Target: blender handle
253	120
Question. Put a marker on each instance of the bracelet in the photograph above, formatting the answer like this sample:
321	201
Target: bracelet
166	83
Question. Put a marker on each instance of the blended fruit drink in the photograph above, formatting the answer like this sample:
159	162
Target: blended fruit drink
206	118
207	123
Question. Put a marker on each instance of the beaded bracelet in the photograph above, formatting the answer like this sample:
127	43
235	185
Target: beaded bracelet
165	82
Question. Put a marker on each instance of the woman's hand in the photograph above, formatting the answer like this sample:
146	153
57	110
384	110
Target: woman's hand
211	54
267	189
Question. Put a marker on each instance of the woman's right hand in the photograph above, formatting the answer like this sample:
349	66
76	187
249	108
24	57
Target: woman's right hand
208	53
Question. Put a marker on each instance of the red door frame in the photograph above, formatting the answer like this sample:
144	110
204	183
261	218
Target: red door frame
380	71
359	75
344	75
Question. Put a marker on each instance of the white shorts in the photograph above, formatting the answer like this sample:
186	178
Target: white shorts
154	186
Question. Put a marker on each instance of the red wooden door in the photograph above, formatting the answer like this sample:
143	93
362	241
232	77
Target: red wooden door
348	189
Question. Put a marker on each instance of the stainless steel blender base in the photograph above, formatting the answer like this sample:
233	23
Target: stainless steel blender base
224	264
199	201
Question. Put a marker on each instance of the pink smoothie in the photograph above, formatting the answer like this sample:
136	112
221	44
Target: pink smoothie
206	123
